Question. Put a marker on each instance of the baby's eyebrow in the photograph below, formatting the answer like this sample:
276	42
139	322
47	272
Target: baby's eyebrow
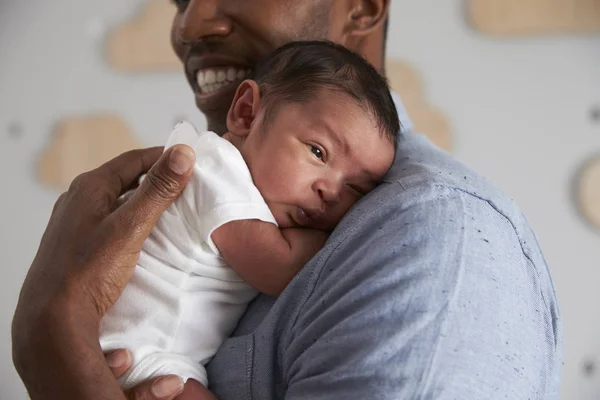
338	141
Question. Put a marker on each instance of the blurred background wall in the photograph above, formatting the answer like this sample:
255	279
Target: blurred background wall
523	110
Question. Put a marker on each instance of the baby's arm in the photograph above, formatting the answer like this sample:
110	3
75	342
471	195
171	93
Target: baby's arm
265	256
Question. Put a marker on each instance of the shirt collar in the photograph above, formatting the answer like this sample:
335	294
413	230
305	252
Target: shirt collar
407	125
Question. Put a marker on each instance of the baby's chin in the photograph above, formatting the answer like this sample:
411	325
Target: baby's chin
285	221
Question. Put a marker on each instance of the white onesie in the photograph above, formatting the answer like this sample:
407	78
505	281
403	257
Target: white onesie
183	299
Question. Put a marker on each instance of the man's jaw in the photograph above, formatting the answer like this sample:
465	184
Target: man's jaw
214	81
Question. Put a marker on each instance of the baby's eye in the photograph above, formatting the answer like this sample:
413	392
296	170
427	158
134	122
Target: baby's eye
317	152
358	190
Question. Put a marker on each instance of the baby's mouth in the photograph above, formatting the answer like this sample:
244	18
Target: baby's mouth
309	218
302	217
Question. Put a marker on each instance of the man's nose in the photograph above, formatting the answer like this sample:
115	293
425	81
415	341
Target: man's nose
202	19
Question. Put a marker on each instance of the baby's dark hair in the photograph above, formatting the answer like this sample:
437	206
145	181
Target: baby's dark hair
298	71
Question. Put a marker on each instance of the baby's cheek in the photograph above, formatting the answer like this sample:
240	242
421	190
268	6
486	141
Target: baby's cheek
335	216
274	183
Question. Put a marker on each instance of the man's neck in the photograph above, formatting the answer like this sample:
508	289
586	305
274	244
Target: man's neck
217	127
372	50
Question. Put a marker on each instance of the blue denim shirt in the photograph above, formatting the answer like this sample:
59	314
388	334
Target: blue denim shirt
432	287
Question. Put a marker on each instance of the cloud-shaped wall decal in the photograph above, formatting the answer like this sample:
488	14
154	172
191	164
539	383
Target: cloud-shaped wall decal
143	43
534	17
82	143
427	119
588	191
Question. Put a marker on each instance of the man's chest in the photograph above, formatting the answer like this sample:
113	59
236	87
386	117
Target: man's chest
246	364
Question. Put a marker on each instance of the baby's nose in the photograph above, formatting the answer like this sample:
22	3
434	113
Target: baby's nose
328	193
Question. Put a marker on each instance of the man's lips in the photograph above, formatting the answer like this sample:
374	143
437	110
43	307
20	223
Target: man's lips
210	80
208	75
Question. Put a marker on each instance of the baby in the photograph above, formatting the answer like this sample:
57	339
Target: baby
312	132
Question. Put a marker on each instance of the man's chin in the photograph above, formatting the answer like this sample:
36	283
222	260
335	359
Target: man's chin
215	109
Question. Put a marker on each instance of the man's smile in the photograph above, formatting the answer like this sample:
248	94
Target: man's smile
209	75
210	80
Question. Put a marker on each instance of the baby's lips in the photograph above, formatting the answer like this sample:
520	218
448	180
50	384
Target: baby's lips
302	217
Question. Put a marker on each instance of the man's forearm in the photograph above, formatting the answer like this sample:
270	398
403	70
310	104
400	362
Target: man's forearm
61	358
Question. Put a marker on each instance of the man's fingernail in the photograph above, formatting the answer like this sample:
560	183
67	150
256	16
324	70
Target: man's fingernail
181	160
167	386
117	359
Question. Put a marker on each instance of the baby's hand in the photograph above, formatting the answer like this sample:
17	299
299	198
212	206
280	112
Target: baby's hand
305	243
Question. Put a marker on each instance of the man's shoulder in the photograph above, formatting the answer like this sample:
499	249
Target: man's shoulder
423	280
420	165
438	224
424	177
417	266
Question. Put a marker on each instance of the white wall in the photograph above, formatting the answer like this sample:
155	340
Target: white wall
519	108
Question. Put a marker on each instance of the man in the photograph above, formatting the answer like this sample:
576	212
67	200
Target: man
433	286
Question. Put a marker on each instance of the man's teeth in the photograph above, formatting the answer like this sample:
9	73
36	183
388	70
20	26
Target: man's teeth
212	79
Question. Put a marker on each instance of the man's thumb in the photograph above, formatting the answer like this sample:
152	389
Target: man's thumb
163	183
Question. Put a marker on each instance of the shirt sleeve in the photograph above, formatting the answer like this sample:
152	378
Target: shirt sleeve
220	189
429	300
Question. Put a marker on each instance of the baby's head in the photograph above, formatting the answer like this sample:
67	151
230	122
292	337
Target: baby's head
317	127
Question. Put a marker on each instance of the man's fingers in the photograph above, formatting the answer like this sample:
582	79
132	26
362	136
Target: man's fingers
119	361
123	199
163	183
163	388
122	172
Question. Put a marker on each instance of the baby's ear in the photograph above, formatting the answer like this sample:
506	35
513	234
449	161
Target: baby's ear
244	108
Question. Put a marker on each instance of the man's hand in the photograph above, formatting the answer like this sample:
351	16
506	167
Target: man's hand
163	388
85	259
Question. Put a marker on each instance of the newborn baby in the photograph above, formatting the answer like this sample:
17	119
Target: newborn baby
311	133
